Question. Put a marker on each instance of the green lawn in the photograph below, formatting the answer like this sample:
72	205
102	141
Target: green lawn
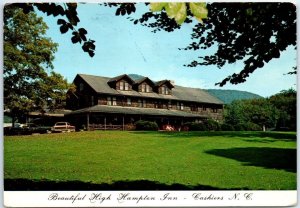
151	160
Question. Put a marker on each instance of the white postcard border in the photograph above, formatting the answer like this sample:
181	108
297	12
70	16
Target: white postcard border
148	198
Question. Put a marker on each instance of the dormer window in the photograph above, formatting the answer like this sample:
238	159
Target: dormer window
164	87
145	88
123	85
164	90
123	82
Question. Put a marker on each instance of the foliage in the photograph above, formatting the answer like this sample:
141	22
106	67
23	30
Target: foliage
207	125
27	55
212	125
254	33
242	114
278	111
226	127
146	125
228	96
69	23
178	10
196	160
286	103
193	126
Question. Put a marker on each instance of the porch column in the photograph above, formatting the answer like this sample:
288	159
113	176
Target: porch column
123	124
104	122
88	121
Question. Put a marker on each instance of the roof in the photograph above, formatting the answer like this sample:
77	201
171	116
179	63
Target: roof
115	79
139	81
135	111
99	84
159	83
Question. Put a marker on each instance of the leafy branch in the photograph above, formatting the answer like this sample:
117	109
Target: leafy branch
70	23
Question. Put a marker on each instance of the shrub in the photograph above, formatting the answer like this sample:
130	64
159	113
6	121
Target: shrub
249	126
227	127
208	125
239	127
212	125
146	125
197	127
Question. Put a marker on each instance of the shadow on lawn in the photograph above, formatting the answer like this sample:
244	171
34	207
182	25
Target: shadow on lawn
48	185
271	158
272	136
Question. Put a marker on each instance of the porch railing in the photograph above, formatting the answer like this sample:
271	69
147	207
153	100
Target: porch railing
109	127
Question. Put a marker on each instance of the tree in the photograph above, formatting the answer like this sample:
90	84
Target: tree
277	111
286	103
28	54
254	33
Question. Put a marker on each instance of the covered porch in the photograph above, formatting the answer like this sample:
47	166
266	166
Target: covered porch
101	117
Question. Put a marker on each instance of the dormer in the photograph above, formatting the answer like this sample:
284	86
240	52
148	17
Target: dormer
144	85
164	87
122	82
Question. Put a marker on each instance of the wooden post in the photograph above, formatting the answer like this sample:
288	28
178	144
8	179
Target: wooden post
104	122
123	123
88	121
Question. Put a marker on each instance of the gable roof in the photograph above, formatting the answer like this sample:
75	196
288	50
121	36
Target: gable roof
115	79
159	83
100	85
139	81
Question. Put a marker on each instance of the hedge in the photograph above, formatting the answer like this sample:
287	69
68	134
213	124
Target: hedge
146	126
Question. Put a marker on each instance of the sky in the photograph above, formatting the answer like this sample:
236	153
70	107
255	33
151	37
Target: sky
125	48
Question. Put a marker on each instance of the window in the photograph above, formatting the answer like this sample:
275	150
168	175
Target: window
169	104
114	102
178	106
145	88
111	101
164	90
128	101
108	100
81	86
181	106
92	100
204	108
124	85
140	103
215	110
144	104
121	85
194	108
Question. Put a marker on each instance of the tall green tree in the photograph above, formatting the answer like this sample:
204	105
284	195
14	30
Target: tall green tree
29	82
286	103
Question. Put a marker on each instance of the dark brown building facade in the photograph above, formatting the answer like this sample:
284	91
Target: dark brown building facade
102	102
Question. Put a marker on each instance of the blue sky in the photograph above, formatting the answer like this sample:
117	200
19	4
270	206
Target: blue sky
125	48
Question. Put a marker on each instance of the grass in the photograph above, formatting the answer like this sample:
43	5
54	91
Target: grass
151	160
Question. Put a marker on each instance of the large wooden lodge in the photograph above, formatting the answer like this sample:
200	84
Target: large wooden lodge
117	103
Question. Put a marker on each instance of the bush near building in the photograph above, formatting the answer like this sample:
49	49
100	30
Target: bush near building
146	126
